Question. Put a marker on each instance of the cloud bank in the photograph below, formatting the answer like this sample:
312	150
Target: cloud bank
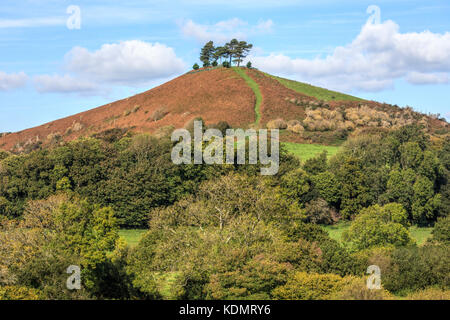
128	63
12	81
379	55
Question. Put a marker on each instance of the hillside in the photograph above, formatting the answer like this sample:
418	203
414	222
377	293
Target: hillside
242	98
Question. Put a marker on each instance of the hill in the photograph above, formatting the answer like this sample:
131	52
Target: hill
239	96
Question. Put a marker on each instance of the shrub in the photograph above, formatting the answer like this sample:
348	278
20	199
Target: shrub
318	212
430	294
249	65
356	289
277	124
226	64
214	64
164	131
441	231
221	125
304	286
189	125
195	66
292	123
417	268
158	114
298	128
18	293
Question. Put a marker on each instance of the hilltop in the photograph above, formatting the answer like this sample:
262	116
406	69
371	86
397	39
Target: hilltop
242	98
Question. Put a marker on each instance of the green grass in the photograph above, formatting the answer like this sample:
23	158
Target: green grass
313	91
254	86
307	151
336	231
419	234
132	236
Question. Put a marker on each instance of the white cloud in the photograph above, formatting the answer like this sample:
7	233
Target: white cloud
65	84
32	22
127	63
375	58
225	30
12	81
427	78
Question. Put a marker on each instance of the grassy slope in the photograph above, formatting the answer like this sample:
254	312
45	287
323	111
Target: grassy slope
313	91
254	86
420	235
132	236
306	151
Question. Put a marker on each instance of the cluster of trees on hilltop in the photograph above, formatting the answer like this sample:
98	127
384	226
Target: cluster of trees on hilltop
232	52
224	231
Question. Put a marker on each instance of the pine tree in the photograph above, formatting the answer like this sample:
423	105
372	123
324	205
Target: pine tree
206	54
241	51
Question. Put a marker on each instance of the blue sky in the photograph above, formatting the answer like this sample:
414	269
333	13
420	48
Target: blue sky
48	71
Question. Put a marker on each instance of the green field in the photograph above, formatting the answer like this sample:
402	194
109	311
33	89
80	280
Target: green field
307	151
313	91
132	236
254	86
420	235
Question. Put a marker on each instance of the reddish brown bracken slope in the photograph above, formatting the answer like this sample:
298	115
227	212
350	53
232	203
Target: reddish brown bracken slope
215	95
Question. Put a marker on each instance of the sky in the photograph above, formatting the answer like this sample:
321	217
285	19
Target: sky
58	57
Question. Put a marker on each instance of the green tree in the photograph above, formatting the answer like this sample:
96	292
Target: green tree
207	54
328	187
441	231
241	51
53	235
425	204
378	226
231	49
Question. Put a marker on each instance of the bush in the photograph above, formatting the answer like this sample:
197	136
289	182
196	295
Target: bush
441	231
195	66
158	114
226	64
221	125
417	268
318	211
277	124
249	65
18	293
430	294
356	289
214	64
304	286
189	125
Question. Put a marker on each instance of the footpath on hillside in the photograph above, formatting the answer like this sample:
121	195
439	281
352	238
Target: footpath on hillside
254	86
